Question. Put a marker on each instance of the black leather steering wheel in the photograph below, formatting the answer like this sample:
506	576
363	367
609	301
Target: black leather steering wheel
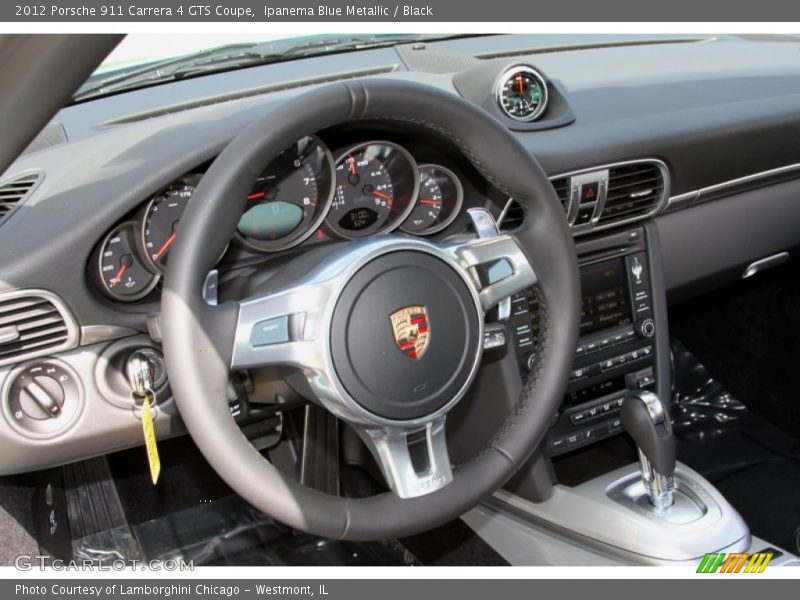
328	314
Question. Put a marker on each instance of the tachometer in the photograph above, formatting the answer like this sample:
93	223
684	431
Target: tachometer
522	93
376	184
122	273
161	220
290	198
440	198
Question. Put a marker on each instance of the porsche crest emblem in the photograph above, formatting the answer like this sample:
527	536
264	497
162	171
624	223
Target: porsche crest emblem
411	330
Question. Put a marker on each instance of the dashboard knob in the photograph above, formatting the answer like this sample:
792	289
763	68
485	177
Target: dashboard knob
646	328
529	361
41	397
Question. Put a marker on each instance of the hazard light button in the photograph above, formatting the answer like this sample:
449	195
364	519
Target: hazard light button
589	192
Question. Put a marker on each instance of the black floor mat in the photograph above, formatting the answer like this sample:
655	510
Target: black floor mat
748	336
186	480
754	464
193	514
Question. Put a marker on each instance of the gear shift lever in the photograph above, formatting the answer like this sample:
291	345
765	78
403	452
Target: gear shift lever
646	420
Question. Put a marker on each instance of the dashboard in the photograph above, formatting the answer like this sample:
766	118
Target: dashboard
678	155
308	195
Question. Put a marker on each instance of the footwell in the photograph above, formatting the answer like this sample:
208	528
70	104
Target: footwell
753	463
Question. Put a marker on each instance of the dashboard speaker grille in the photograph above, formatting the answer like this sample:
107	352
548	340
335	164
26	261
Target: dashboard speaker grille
634	190
14	191
34	323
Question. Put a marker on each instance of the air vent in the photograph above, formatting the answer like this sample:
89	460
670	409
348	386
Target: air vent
14	191
511	217
562	188
634	190
33	323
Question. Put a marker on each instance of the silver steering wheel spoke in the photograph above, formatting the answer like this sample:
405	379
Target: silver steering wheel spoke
282	328
495	261
414	460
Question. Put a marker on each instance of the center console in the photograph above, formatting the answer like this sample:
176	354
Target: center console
616	350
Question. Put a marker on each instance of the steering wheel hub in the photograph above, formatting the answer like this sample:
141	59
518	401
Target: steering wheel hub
405	335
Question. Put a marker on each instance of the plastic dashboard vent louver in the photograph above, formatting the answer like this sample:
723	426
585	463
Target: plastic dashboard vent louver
14	191
513	214
33	323
634	190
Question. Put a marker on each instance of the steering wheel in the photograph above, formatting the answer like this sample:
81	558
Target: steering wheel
333	315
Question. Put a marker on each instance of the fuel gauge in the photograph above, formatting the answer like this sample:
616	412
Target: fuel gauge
122	274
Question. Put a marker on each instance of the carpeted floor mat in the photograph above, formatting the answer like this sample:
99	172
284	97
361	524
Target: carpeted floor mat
748	336
16	518
752	462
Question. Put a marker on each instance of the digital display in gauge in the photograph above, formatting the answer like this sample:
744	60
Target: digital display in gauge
122	273
160	228
290	198
358	219
440	198
376	184
522	93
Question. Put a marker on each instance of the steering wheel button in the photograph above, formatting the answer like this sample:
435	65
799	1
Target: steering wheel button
271	331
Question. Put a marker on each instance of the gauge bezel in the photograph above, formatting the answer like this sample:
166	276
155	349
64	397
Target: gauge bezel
192	179
454	210
392	224
132	227
501	82
289	241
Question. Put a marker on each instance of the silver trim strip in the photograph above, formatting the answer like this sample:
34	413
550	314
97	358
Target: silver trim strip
765	263
696	196
73	332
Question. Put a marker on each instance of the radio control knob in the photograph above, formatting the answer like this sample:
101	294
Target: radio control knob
646	328
529	361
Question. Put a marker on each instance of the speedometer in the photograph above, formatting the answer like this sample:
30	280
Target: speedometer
376	184
290	198
160	227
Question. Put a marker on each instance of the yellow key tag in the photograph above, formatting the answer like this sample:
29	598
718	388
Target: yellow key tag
150	440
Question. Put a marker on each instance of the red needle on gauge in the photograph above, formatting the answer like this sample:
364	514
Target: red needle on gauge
164	247
352	162
382	196
118	276
519	83
429	201
256	195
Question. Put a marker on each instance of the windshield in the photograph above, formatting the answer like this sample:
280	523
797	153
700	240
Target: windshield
145	60
137	50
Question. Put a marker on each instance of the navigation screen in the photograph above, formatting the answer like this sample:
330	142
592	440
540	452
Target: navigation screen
605	302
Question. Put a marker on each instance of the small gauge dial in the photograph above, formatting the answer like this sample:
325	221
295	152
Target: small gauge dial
160	227
440	199
290	198
376	184
522	93
122	273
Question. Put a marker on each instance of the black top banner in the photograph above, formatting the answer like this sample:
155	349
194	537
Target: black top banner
465	11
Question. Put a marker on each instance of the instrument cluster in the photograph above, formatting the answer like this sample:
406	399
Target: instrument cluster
363	189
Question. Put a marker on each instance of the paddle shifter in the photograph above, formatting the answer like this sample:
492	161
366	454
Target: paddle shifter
645	418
